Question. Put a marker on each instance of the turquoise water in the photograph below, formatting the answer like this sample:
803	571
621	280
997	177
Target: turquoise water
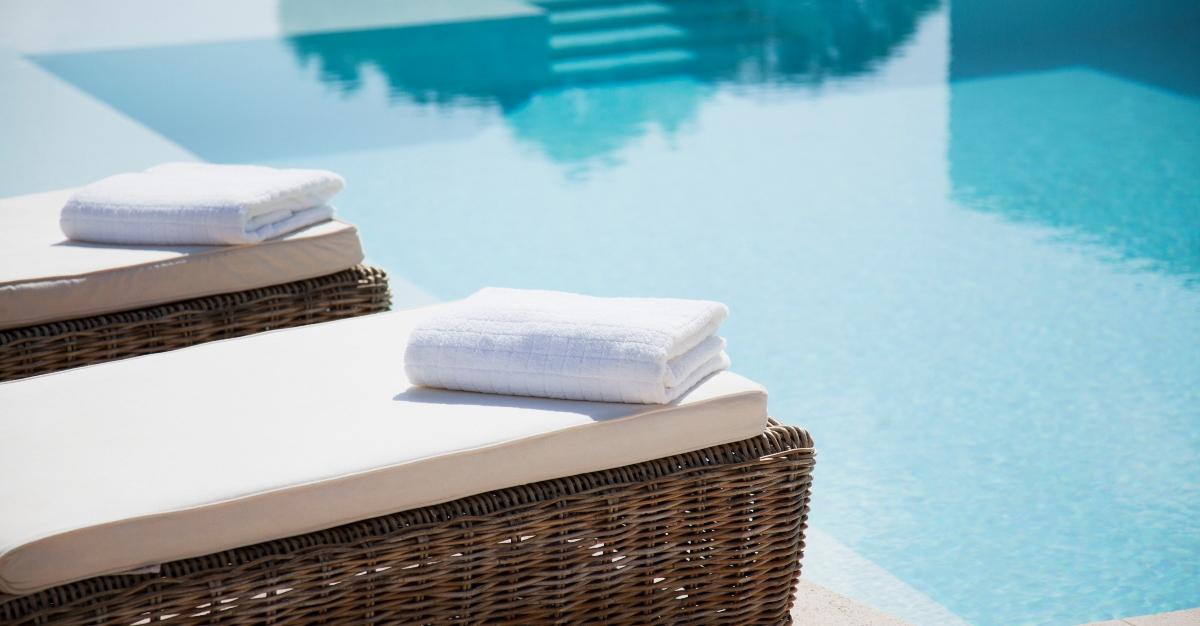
961	241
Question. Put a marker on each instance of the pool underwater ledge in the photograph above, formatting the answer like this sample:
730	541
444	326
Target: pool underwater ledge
939	264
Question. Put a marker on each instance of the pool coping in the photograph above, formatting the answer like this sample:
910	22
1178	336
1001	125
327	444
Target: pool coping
815	604
39	27
1185	617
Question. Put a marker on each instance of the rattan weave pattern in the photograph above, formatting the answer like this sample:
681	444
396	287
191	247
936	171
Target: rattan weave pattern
708	537
71	343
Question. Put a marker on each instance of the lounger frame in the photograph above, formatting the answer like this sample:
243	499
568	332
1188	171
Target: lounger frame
61	345
712	536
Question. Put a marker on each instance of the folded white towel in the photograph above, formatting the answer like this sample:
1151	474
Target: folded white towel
562	345
199	203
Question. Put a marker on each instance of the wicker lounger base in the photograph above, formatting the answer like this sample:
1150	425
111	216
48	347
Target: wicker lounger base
61	345
713	536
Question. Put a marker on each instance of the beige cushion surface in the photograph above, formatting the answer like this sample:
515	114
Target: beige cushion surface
127	464
44	277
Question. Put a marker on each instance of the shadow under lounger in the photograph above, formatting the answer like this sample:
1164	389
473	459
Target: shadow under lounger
329	490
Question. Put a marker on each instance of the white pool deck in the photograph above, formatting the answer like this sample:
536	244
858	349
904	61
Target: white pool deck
55	136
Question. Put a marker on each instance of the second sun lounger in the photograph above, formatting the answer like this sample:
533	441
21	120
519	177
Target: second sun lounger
64	304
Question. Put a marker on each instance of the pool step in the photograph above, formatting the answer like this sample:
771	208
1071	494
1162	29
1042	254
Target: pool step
600	42
649	37
623	39
624	66
562	5
633	13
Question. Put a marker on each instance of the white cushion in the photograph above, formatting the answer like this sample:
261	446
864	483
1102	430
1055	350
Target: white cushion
128	464
44	277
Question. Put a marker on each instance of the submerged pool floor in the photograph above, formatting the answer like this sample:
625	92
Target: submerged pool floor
980	290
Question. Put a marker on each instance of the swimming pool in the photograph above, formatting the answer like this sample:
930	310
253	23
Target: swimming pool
960	240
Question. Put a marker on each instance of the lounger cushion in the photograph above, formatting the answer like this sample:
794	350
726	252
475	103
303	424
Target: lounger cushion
45	278
127	464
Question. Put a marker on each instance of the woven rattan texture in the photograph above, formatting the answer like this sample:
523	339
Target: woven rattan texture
61	345
709	537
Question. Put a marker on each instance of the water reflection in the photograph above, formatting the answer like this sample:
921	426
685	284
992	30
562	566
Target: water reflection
500	61
563	79
1097	158
1155	42
748	40
1087	123
813	40
585	128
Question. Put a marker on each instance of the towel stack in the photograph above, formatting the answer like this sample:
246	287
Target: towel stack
562	345
199	204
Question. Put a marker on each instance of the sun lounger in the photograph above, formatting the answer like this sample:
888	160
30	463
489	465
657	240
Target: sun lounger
64	304
297	477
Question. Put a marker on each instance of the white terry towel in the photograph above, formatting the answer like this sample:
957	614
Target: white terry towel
199	203
562	345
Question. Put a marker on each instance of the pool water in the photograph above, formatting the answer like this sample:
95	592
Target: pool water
960	240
